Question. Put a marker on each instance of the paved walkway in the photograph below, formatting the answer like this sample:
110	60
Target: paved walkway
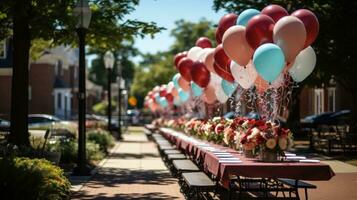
133	171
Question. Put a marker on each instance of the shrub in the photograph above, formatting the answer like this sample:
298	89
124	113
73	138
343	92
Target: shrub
102	138
25	178
93	151
69	149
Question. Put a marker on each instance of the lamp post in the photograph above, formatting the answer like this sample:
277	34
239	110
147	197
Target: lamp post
109	63
83	13
119	99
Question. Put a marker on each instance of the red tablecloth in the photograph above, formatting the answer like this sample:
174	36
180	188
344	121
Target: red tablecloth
251	167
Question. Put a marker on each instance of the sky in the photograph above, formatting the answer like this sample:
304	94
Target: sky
165	13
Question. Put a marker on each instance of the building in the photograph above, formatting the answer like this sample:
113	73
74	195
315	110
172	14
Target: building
330	97
53	83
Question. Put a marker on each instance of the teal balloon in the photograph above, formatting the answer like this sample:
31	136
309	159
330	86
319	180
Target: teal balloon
269	61
163	102
157	97
246	15
196	90
177	101
175	80
228	88
183	95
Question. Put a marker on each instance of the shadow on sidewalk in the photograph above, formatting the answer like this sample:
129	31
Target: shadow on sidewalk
114	179
131	196
134	156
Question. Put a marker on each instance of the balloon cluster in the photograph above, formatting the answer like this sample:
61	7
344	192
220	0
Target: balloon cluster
257	51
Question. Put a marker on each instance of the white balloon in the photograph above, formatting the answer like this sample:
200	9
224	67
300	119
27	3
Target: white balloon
244	76
194	52
303	65
203	53
215	81
221	96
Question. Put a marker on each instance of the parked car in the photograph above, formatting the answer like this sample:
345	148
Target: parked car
57	126
327	118
41	119
4	123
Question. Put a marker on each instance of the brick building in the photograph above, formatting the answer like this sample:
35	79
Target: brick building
53	83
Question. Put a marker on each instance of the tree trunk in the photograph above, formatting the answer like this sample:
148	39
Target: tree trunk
20	75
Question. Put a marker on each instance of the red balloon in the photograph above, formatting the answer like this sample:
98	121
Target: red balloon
218	36
169	97
311	24
226	75
178	57
275	12
224	23
200	74
163	91
184	67
259	30
204	42
221	58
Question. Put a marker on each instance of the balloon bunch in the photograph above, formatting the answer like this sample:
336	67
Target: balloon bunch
258	52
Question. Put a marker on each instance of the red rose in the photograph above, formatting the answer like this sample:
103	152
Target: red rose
219	129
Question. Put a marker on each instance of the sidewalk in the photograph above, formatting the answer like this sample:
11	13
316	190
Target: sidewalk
134	170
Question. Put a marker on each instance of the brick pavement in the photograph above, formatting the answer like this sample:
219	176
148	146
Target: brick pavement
134	170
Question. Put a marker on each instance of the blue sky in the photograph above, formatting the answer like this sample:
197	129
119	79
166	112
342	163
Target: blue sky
165	13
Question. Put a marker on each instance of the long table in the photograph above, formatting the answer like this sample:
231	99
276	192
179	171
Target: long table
249	167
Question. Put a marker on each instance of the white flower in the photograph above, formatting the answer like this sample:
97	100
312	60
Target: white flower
271	143
245	124
215	119
255	132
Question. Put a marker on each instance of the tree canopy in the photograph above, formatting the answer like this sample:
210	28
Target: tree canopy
54	21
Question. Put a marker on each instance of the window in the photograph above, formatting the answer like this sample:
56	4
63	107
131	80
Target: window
59	100
332	99
3	49
319	101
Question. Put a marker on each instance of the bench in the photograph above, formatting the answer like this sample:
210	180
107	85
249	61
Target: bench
197	183
180	156
295	185
181	166
185	165
171	151
166	147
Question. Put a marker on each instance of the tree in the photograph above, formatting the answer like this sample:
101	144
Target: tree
156	69
98	73
27	20
335	45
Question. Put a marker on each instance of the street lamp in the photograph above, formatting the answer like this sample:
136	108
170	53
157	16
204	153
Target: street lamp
109	64
83	14
119	99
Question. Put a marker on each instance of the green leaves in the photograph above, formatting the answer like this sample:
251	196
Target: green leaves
54	20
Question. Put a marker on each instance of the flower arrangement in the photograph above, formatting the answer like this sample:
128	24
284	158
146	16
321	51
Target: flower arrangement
266	136
255	136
